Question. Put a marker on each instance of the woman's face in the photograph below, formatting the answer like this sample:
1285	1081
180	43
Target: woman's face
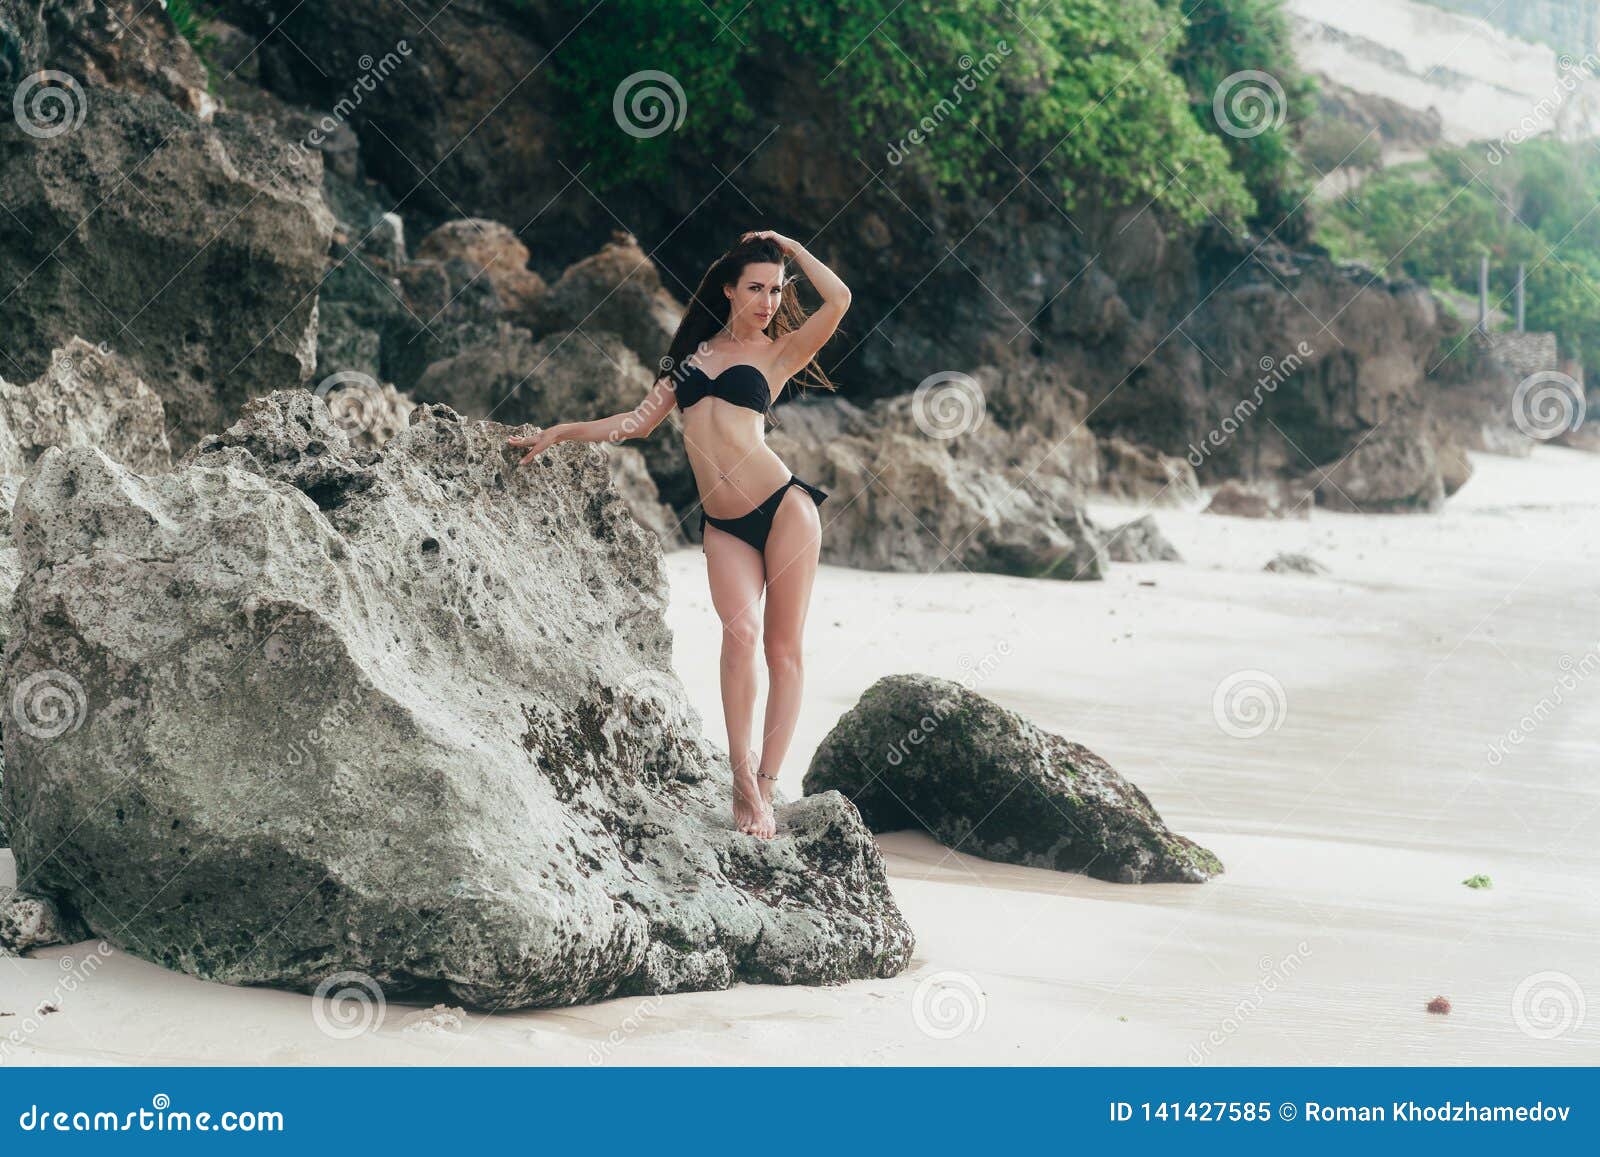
754	297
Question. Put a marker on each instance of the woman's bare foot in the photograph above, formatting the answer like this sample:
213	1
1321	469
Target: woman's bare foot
752	813
768	786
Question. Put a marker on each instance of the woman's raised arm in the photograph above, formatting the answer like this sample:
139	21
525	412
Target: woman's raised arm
797	348
638	422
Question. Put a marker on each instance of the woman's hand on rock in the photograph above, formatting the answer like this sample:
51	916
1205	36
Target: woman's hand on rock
537	442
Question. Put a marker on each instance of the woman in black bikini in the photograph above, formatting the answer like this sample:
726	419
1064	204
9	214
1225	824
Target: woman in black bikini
747	336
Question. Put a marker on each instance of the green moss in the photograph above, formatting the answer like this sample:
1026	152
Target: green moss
1082	97
1478	881
190	18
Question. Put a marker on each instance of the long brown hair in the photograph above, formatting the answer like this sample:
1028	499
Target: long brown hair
707	313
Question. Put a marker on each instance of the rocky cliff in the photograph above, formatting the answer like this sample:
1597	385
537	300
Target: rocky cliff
1165	333
1246	357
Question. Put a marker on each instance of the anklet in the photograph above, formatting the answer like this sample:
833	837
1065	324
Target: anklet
764	775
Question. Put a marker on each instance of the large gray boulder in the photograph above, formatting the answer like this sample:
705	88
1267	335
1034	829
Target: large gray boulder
1395	469
194	248
86	396
927	753
408	713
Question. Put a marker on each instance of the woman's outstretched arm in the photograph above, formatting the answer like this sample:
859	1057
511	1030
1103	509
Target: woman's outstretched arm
635	423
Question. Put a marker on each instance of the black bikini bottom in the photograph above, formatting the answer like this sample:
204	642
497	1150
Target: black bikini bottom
755	526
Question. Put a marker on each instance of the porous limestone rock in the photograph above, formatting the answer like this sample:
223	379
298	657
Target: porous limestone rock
28	922
407	713
368	412
87	396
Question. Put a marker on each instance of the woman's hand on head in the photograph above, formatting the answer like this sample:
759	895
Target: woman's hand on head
536	443
788	246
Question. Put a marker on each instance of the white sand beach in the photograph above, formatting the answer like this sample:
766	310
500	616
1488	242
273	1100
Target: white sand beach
1346	827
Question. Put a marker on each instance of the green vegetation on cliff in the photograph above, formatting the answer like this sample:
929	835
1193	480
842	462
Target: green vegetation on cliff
1106	101
1434	220
1229	38
189	17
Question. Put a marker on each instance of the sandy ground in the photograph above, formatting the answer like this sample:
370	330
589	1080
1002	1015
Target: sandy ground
1347	825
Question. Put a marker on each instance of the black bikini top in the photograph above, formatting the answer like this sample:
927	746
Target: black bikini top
741	383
